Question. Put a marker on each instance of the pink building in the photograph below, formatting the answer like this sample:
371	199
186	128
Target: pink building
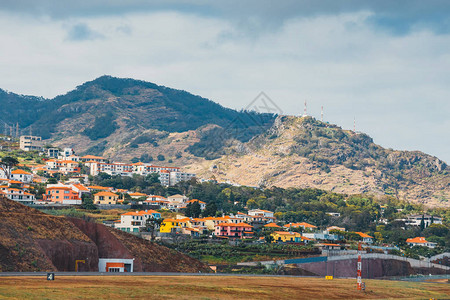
239	230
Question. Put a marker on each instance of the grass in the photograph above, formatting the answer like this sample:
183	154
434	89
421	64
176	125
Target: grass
205	287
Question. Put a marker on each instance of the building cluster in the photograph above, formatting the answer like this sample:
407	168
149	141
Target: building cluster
17	190
66	162
237	226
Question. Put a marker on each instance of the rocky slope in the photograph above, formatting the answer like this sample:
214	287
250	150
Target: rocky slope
33	241
304	152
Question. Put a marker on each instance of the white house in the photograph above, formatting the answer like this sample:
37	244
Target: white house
132	221
420	241
261	213
30	143
22	176
365	237
18	195
177	198
415	220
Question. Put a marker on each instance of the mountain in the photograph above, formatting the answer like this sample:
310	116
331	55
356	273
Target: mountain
125	118
304	152
132	120
33	241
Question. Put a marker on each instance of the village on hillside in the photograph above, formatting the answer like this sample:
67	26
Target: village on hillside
61	179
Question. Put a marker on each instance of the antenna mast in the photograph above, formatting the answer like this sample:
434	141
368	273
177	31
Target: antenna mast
17	130
321	114
354	124
304	111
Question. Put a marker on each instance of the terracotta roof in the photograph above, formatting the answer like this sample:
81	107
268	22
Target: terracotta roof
183	219
196	200
15	182
170	220
363	235
59	188
105	194
81	187
19	171
302	224
242	224
287	233
272	225
140	213
137	194
417	240
97	187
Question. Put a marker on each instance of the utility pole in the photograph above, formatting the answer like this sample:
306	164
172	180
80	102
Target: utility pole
358	268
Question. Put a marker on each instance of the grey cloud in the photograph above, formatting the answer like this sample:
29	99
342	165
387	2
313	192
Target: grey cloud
82	32
398	17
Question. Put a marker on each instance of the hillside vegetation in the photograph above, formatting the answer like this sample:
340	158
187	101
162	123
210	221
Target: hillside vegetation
304	152
125	118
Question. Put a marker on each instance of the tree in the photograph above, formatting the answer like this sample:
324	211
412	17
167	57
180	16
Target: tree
193	210
151	225
188	209
196	210
161	157
210	210
422	223
87	203
52	181
6	164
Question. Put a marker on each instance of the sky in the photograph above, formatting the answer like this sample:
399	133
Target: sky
382	64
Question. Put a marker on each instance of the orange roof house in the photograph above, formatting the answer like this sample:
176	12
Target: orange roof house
365	237
105	198
19	171
420	241
236	230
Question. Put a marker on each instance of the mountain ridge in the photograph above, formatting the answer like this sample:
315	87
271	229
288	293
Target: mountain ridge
133	120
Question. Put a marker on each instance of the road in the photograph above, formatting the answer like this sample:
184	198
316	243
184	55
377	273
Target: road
44	274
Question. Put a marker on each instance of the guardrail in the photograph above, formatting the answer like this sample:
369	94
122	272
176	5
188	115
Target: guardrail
413	262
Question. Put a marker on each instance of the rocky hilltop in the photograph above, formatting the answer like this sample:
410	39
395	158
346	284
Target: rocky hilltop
304	152
33	241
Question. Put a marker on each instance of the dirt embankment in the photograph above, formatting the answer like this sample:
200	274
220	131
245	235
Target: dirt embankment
371	268
33	241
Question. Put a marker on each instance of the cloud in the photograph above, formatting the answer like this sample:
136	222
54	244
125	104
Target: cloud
82	32
254	16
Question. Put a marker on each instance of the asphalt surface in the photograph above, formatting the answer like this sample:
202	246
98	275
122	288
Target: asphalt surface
44	274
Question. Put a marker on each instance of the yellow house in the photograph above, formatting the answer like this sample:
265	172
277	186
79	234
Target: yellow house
169	225
286	237
105	198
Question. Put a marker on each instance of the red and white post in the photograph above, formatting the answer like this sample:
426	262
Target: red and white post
358	269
